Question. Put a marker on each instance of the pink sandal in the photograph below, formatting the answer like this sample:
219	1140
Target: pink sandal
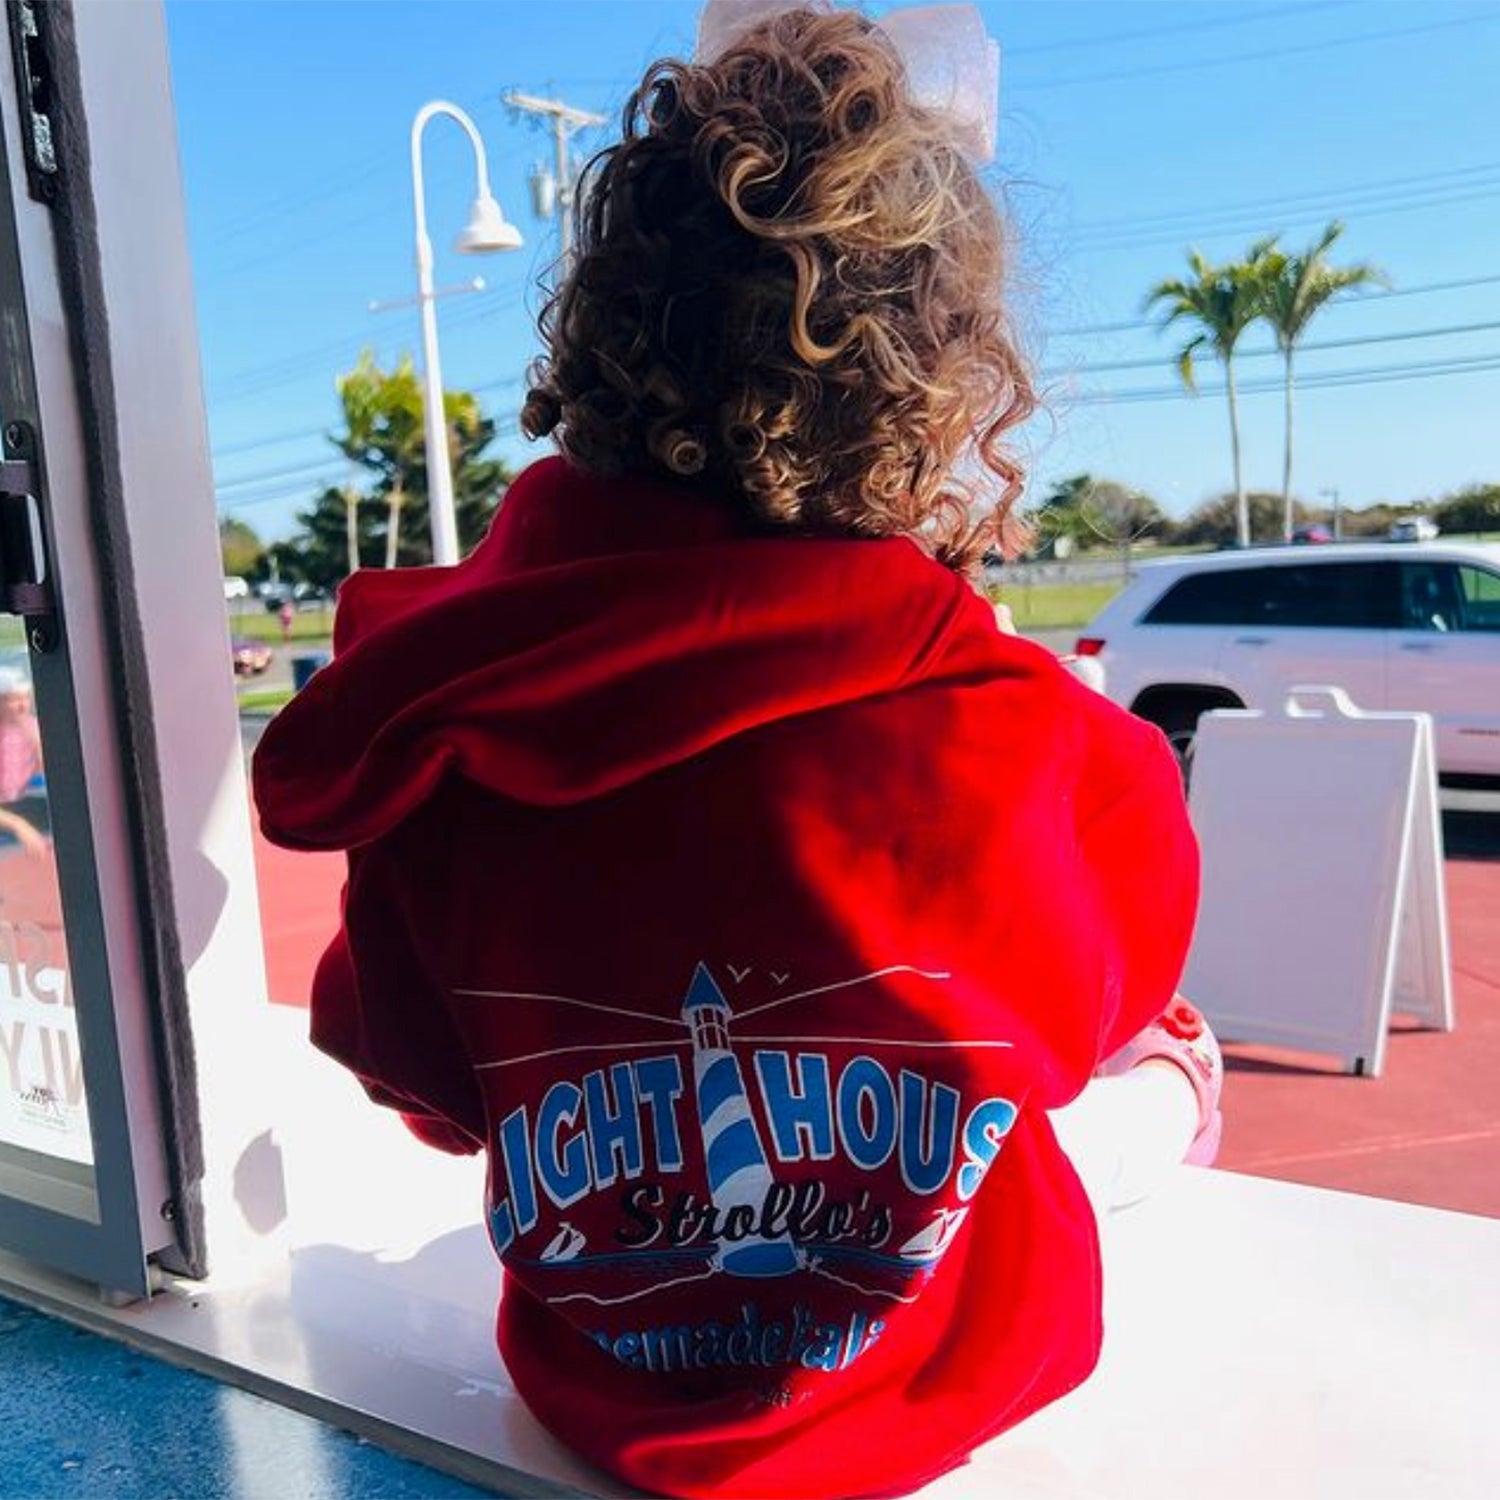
1181	1035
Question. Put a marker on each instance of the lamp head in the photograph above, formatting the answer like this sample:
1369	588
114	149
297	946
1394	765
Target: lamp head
488	229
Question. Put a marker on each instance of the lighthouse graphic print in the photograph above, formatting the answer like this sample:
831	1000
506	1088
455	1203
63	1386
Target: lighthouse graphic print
761	1174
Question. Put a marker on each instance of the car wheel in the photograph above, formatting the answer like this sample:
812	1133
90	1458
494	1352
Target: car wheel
1181	729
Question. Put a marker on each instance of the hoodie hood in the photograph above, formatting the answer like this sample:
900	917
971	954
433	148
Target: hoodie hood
604	630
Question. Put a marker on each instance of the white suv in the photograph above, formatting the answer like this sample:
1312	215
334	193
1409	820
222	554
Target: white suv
1414	529
1410	628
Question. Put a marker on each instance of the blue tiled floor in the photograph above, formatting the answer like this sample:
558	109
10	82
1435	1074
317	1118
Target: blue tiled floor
84	1418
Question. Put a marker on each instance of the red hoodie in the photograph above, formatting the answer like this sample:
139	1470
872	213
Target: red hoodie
750	900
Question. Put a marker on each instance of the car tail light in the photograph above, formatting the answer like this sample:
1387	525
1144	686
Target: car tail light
1089	645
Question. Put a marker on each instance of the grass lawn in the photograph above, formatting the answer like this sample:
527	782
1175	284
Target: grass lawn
1044	606
260	625
1056	606
265	700
1040	606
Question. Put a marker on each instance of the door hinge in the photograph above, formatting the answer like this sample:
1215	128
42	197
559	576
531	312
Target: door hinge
25	587
35	92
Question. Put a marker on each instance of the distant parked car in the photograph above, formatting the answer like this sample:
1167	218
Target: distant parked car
1315	535
250	658
1414	529
274	595
236	588
1414	629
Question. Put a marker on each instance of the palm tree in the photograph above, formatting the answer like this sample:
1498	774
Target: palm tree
1295	288
351	525
1224	301
383	416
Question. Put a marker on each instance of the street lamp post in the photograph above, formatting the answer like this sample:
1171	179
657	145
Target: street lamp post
486	230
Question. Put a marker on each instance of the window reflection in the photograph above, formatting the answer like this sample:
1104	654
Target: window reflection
42	1103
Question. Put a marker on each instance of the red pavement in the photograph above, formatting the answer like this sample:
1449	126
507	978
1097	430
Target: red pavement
1426	1131
299	910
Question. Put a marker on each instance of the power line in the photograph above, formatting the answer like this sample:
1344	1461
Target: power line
1438	286
271	442
230	507
297	495
1193	65
1432	370
348	177
1135	325
1050	373
257	379
325	470
322	432
346	221
242	481
338	182
1328	379
1310	215
501	384
253	381
331	184
1114	366
1324	380
1177	28
1277	202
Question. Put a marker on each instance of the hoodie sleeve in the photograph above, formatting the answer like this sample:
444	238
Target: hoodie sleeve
1142	858
375	1010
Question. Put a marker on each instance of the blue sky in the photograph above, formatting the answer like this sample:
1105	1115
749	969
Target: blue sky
1128	132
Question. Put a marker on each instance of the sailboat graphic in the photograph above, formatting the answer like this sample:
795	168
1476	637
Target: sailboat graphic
929	1242
739	1174
565	1244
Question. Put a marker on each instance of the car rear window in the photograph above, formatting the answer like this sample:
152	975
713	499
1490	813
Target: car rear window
1481	596
1347	596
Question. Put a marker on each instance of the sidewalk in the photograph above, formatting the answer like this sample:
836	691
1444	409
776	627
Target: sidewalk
1427	1131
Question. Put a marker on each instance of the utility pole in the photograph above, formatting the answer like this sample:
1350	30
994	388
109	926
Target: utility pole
567	121
1338	529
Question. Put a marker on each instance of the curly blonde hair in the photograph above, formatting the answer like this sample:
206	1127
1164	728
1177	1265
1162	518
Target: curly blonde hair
787	283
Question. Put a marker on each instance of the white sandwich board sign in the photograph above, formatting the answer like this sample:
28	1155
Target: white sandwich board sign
1323	908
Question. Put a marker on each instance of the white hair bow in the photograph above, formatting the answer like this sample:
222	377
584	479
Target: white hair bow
952	64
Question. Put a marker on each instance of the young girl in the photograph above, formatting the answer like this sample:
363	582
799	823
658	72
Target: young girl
716	864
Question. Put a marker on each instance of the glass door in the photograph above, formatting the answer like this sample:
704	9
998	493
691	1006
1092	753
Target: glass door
71	1185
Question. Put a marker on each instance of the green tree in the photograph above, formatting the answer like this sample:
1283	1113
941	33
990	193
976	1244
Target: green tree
1097	513
383	432
1223	301
1060	515
284	562
1215	523
384	519
1474	509
240	549
1295	288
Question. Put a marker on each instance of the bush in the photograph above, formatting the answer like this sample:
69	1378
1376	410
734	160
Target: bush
1213	523
1474	509
1373	521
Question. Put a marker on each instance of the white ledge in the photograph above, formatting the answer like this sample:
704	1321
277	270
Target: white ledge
1263	1340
